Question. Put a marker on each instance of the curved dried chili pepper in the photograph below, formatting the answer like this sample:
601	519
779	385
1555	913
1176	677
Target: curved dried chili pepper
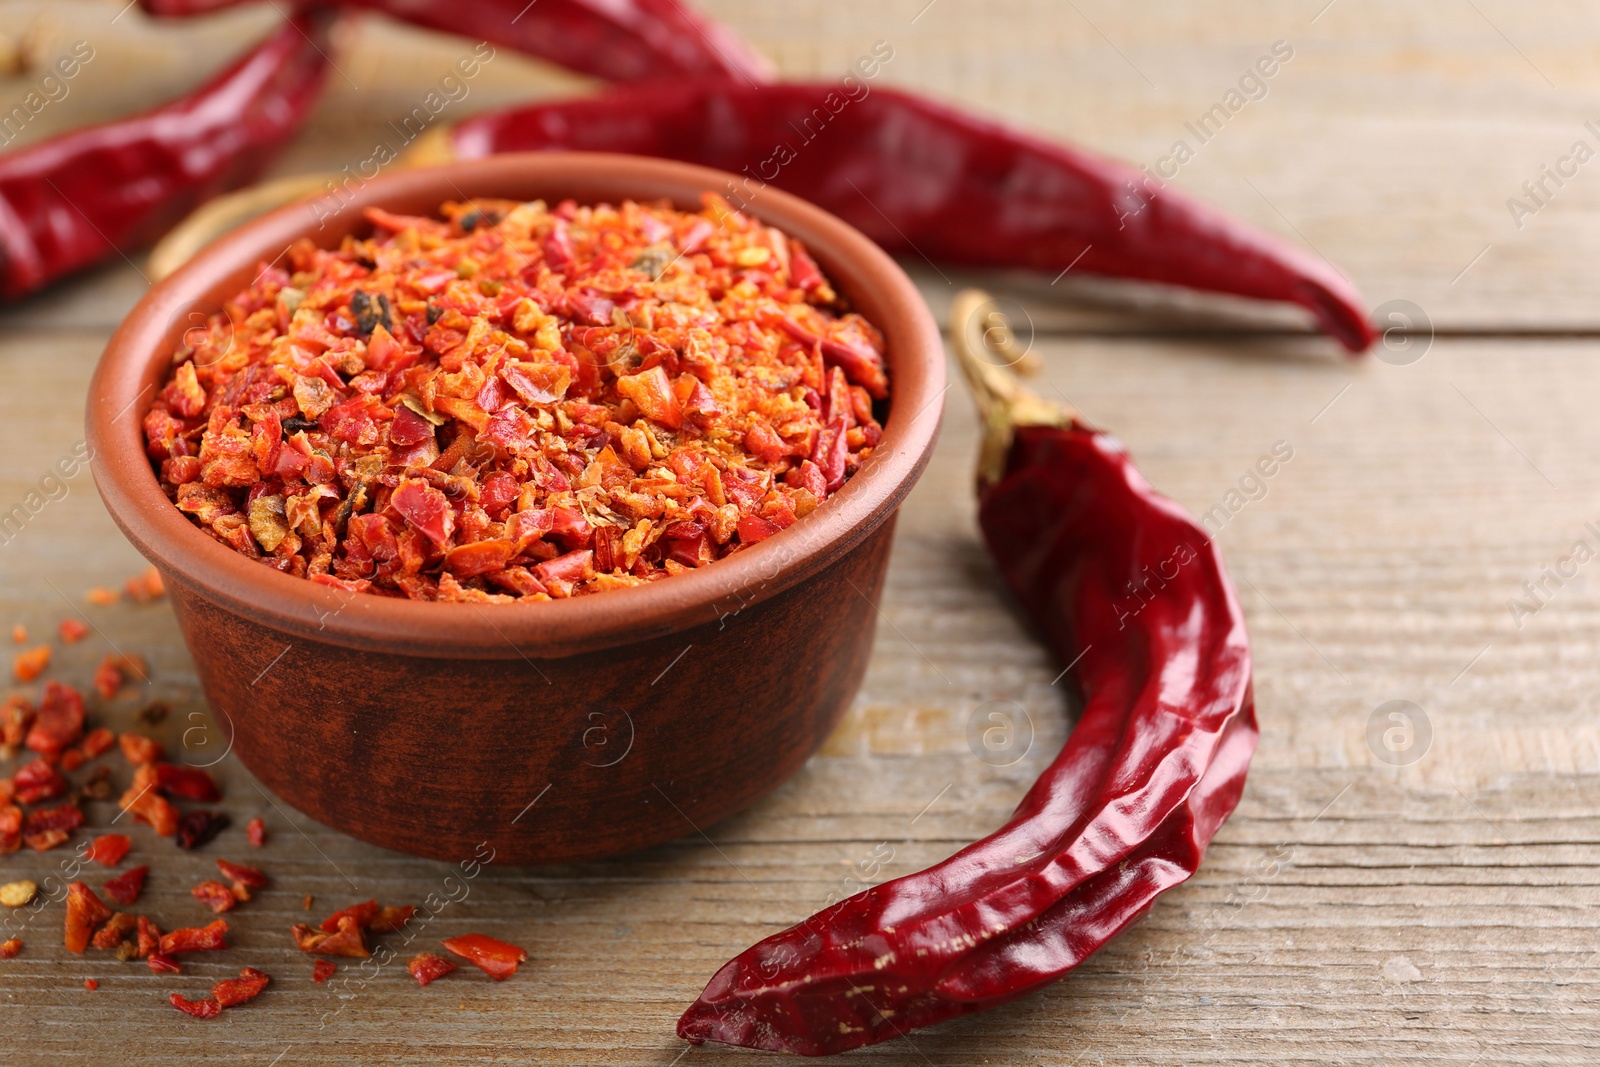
1132	595
924	178
76	199
619	40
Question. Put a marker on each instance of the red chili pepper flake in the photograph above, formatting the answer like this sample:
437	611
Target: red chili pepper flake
187	783
19	634
205	1008
322	970
45	828
426	967
30	664
161	963
126	887
11	820
145	587
361	914
115	931
108	849
493	957
231	992
85	911
37	782
255	831
102	596
59	721
90	984
97	743
149	935
214	895
72	630
114	670
196	828
10	947
195	939
147	804
251	877
566	402
350	940
16	719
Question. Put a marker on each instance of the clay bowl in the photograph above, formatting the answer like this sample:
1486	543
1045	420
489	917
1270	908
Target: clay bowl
549	732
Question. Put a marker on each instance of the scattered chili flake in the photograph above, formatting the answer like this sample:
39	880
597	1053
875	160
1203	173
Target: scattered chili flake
73	630
214	895
10	947
11	820
391	917
97	743
145	587
45	828
116	669
16	719
59	721
98	784
426	967
322	970
206	1008
108	849
17	894
30	664
147	804
255	831
493	957
160	962
250	877
361	914
126	887
19	634
152	714
85	911
101	595
570	401
37	782
115	931
138	749
350	940
306	906
149	935
231	992
195	938
90	984
196	828
187	783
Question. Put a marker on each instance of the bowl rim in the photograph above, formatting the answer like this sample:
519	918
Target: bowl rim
134	361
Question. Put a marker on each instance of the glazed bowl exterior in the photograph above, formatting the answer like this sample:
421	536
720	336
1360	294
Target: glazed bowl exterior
548	732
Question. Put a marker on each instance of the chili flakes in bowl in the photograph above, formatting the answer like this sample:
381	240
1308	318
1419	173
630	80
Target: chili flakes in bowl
517	401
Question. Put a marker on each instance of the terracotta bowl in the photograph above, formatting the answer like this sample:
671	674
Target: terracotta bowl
555	731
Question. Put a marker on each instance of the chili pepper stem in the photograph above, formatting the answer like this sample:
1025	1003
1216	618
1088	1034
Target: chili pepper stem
981	336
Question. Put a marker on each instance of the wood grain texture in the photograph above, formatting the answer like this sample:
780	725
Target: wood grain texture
1351	911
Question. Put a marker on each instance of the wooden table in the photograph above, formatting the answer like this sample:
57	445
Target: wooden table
1361	906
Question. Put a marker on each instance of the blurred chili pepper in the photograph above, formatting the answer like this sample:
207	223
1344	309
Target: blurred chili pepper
619	40
73	200
1131	594
923	178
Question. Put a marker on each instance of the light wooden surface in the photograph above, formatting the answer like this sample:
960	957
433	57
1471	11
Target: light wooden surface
1351	911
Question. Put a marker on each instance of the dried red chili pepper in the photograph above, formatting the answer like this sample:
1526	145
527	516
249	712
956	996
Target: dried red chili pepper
492	956
196	828
426	967
37	782
1155	764
361	914
924	178
349	940
72	630
214	895
138	749
322	970
187	783
115	669
10	947
75	199
90	984
11	820
161	963
27	666
45	828
250	877
108	849
16	719
147	804
115	931
205	1008
58	722
195	938
149	935
231	992
126	887
255	831
97	742
85	911
619	40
